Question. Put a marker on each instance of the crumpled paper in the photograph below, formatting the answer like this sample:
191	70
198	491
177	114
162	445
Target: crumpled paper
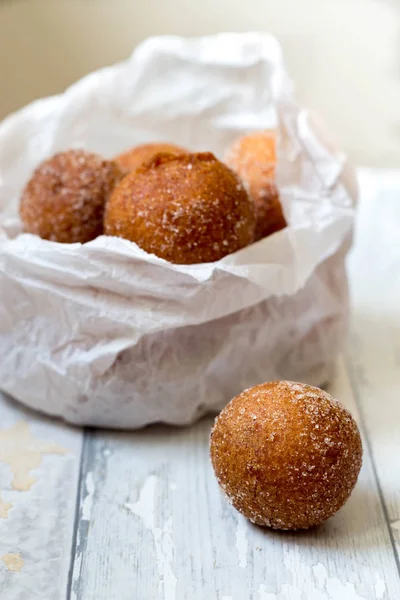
104	334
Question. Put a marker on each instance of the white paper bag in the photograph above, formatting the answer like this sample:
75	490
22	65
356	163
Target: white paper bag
105	334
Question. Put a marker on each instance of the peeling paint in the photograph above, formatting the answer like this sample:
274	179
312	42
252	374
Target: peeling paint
264	595
4	507
13	561
146	509
23	453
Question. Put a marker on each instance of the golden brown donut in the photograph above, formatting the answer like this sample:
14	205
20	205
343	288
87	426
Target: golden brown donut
186	209
286	454
65	198
133	158
253	158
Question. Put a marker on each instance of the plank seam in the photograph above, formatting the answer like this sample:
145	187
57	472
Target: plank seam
76	516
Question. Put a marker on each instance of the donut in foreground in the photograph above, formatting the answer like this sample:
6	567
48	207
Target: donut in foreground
253	158
133	158
286	454
186	209
65	198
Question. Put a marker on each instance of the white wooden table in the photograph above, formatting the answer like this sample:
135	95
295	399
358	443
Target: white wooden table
139	516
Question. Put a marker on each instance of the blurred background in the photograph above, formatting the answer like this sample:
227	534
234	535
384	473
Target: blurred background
344	55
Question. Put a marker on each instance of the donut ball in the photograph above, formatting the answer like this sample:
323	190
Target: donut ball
186	209
286	454
132	159
253	158
65	198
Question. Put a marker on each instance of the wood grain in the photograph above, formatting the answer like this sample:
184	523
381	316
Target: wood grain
36	532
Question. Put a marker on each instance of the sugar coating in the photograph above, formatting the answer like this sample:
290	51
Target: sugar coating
286	454
65	198
186	209
253	158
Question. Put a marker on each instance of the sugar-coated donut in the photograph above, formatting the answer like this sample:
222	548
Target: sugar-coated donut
286	454
186	209
65	198
253	158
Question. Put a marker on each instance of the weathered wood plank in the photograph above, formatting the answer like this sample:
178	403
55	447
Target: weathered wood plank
374	349
153	524
39	474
